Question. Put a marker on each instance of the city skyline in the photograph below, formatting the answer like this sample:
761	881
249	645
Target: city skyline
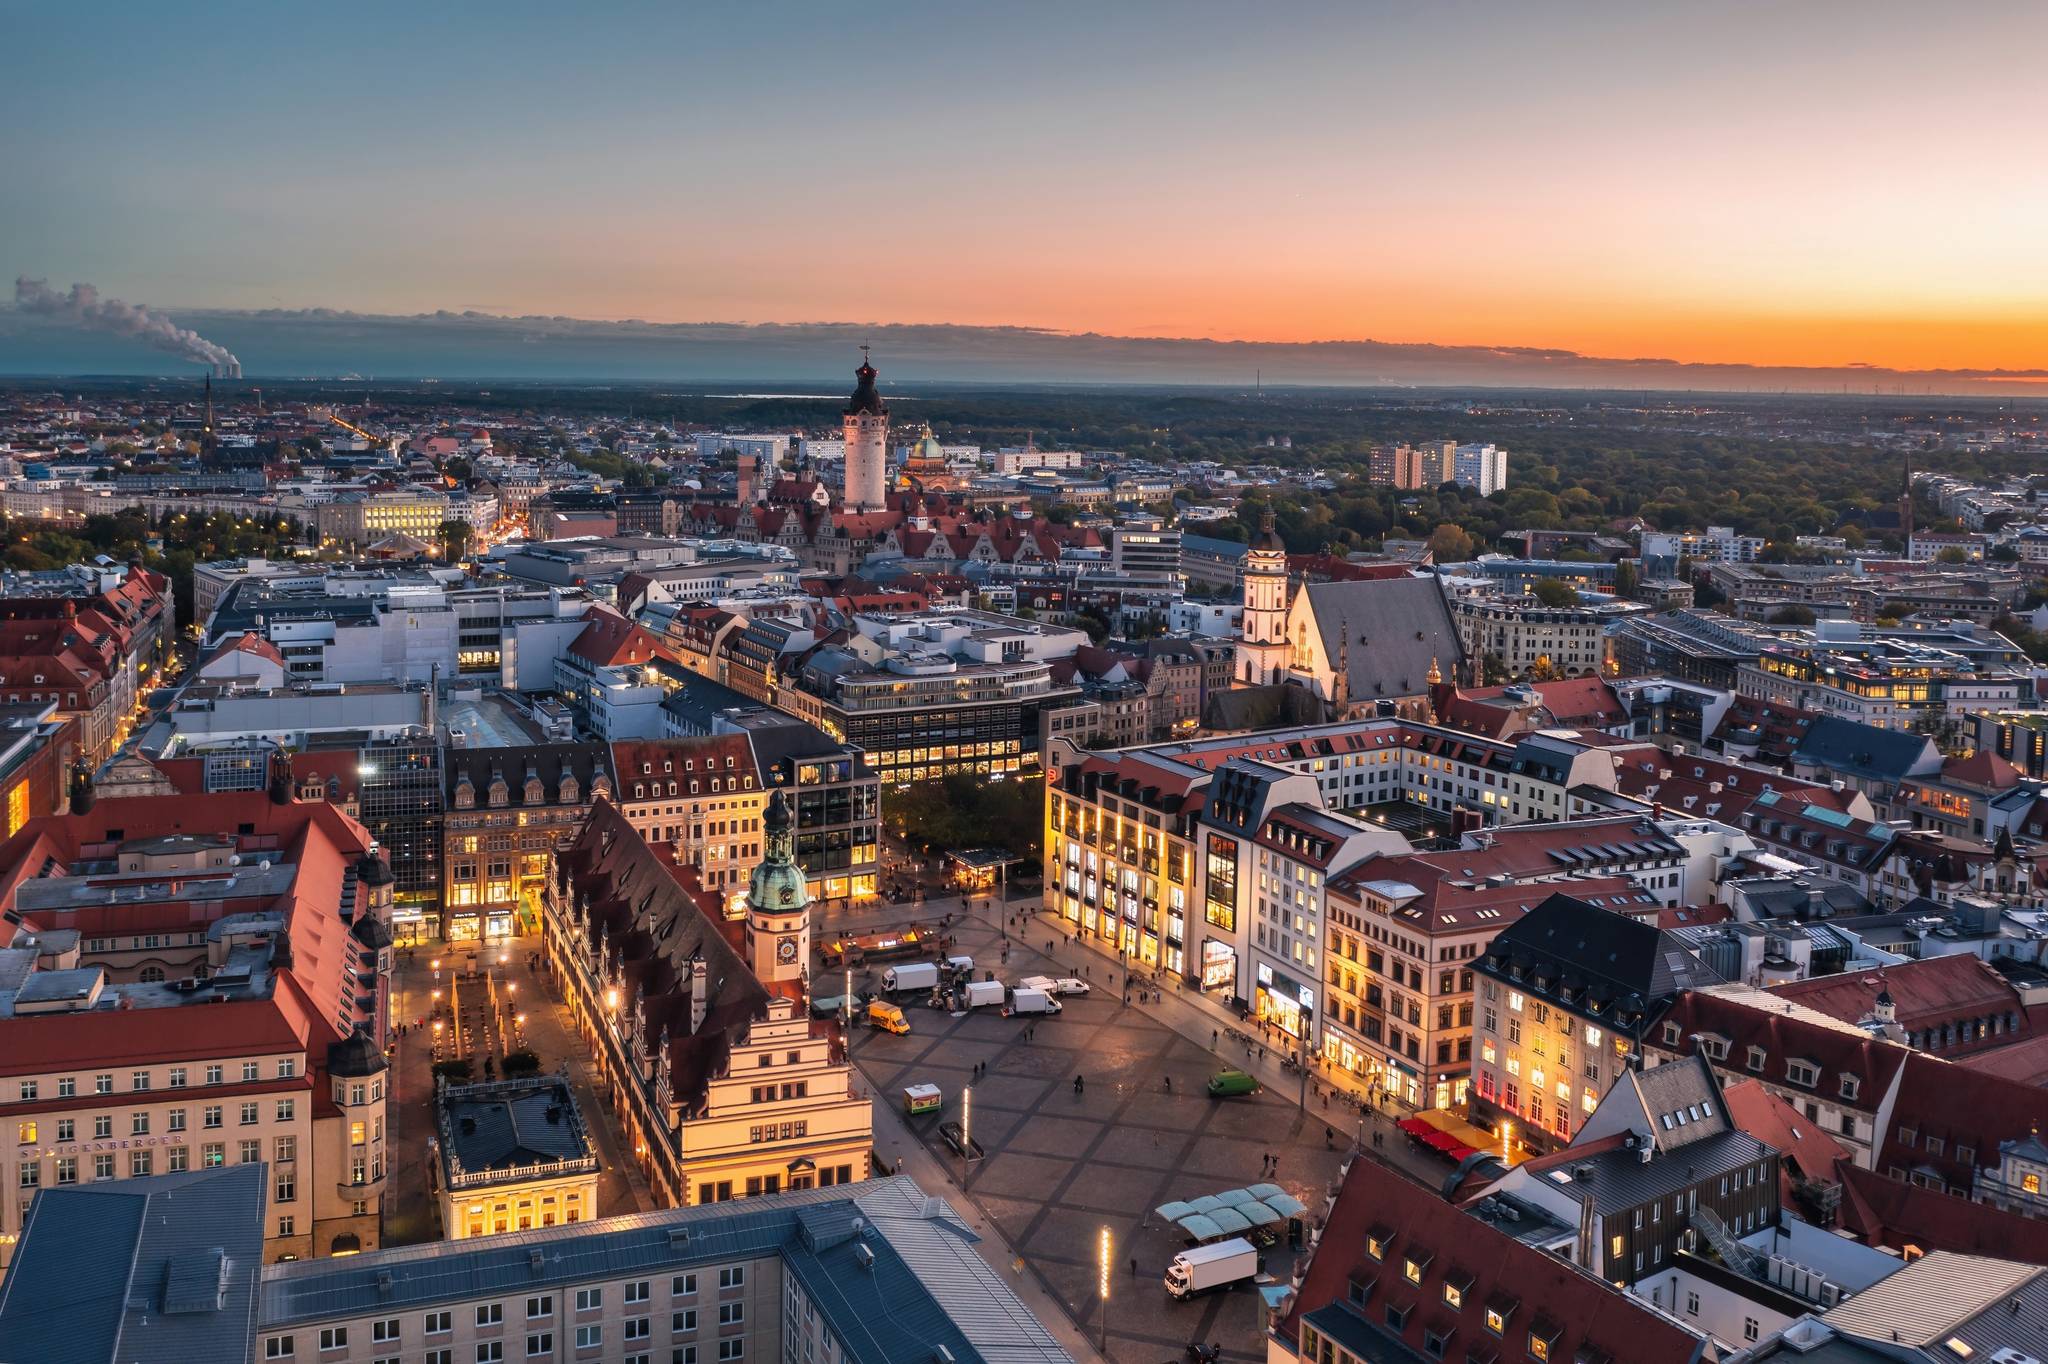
1407	176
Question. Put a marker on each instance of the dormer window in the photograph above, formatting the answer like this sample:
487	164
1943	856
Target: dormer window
1756	1059
1671	1034
1802	1072
1850	1084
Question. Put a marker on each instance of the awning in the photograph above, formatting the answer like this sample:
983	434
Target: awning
1200	1227
1230	1221
1237	1198
1174	1211
1416	1127
1287	1205
1264	1192
1207	1203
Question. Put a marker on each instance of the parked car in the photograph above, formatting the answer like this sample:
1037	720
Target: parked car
1232	1084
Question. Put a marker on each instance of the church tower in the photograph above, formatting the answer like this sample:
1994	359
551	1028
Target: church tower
866	428
1262	636
778	903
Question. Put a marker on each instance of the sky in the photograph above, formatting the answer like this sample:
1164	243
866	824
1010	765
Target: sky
1767	184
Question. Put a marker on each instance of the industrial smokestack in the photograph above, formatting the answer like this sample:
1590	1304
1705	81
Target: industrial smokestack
84	308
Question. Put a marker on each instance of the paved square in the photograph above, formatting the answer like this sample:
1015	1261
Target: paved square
1060	1165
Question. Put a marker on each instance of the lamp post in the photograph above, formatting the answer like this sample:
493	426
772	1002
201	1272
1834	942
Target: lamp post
1102	1281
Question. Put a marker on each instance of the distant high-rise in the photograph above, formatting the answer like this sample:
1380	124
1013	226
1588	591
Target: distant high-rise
866	428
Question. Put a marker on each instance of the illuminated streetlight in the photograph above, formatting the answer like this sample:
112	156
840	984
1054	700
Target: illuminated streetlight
611	1000
1102	1281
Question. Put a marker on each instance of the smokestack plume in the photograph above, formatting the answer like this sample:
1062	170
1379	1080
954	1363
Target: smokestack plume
83	307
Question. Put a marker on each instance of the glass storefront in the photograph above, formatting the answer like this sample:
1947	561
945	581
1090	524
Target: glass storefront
1219	966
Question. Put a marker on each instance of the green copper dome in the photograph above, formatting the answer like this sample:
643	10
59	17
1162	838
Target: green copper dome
778	886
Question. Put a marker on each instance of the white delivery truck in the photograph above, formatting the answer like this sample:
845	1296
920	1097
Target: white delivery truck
1209	1267
915	975
1044	983
960	966
976	993
1024	1000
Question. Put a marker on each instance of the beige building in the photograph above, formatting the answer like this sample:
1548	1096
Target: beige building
1533	640
511	1155
183	1000
722	1084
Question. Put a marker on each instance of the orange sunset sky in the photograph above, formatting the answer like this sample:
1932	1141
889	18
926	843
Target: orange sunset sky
1813	184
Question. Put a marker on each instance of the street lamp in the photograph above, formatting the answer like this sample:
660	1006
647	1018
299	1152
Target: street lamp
1102	1281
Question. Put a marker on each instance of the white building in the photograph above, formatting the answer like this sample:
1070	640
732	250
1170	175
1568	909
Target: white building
1484	467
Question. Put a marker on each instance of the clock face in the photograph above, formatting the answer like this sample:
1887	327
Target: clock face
789	895
785	950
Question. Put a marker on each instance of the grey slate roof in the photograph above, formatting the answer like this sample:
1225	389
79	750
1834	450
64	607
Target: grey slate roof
157	1268
1621	1180
1860	750
1396	628
926	1287
510	1125
1566	943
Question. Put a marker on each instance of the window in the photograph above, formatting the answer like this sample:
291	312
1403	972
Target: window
103	1084
1801	1072
731	1348
25	1134
440	1356
178	1080
251	1115
440	1323
286	1109
589	1337
636	1328
589	1299
1749	1328
490	1351
102	1126
636	1292
381	1331
683	1286
543	1306
731	1313
287	1189
733	1276
490	1314
138	1079
175	1121
540	1343
213	1074
210	1116
334	1338
140	1162
683	1321
278	1347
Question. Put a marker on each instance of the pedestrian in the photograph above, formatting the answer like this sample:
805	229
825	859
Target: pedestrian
1328	1137
1134	1266
1077	1084
1215	1038
1169	1084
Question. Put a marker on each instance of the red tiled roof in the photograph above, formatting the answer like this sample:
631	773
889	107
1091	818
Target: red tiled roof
1983	770
1805	1148
1964	1109
1784	1037
1892	1212
1590	1317
1926	993
610	639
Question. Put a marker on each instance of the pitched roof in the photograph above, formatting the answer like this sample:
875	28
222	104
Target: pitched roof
1781	1031
1566	945
1925	993
1396	630
1860	750
1804	1148
1947	1119
1897	1213
1579	1315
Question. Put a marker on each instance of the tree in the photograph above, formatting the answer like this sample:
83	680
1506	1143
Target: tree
1792	614
1953	554
455	538
1625	579
1449	544
1555	592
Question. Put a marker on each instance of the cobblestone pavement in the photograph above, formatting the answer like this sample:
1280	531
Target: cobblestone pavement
1059	1165
490	995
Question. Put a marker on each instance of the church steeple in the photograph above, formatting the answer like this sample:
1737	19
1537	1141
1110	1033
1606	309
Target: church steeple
778	902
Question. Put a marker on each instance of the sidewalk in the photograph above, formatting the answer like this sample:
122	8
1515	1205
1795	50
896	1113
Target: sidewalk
1195	1012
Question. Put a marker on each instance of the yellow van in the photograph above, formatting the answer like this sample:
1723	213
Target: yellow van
886	1016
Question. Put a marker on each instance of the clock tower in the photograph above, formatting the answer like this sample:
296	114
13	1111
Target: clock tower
778	903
